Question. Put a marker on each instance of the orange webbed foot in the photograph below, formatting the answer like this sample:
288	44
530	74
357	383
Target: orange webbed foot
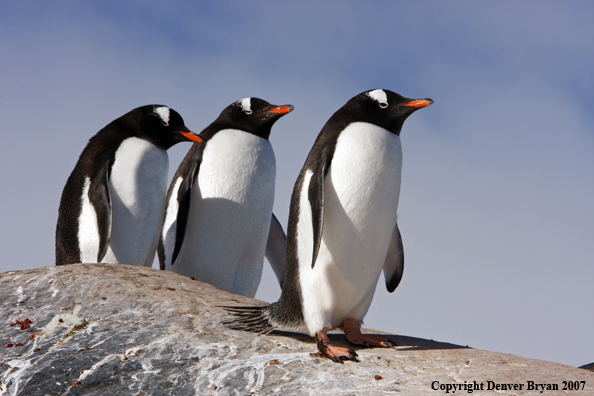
352	330
332	352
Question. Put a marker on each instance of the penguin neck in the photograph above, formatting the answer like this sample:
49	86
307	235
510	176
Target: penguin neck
216	127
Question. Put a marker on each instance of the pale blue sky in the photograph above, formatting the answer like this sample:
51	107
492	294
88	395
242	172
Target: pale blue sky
497	201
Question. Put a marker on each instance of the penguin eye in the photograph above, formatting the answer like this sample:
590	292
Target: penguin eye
383	105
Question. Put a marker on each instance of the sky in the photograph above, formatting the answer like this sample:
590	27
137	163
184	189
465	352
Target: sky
497	200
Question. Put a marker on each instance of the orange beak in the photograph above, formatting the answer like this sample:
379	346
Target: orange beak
282	109
419	103
192	137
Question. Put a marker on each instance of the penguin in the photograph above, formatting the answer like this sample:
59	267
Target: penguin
342	229
111	208
218	222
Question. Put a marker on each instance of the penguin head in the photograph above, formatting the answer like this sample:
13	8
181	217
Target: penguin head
252	115
161	126
384	108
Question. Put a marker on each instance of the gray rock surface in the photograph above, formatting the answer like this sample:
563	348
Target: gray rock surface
124	330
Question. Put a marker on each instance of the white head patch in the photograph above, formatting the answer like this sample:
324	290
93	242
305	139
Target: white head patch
163	112
379	95
246	105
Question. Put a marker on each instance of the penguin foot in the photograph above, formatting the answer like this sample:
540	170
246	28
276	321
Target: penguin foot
335	353
352	330
370	341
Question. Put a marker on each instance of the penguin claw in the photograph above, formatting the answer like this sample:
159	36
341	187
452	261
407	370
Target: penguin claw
389	344
352	329
335	353
370	341
338	354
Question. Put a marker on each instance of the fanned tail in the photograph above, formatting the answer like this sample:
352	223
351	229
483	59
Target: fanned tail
254	319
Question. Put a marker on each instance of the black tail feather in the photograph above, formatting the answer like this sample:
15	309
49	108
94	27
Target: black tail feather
254	319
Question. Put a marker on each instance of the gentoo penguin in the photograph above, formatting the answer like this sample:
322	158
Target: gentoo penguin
218	221
112	205
342	226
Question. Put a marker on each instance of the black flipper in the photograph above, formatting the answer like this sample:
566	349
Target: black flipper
184	196
316	197
394	264
188	171
100	198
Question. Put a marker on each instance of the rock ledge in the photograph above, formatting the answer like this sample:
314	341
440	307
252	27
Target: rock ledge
124	330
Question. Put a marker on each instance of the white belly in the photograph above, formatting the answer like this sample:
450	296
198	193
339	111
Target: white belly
361	194
230	213
138	185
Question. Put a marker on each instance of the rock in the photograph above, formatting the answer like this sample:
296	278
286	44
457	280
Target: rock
124	330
